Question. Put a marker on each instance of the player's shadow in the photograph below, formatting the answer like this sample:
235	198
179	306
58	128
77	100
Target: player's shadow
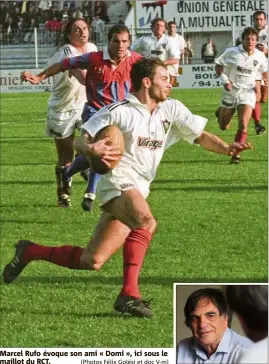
53	313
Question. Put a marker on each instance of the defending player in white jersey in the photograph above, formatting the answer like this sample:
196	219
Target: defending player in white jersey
181	45
67	100
241	63
159	45
150	123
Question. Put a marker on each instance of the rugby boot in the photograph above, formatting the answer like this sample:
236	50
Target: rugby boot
17	264
235	159
87	202
63	201
260	129
133	306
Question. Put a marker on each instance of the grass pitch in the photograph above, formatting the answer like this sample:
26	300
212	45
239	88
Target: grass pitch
212	227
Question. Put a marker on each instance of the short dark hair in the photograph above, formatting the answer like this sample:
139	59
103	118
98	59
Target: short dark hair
171	22
249	31
68	29
145	67
259	12
117	29
154	21
251	303
214	295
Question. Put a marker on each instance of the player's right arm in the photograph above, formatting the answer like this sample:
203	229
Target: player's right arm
223	78
222	62
84	145
79	62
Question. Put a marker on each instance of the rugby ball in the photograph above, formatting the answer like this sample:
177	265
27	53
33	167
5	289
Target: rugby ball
116	138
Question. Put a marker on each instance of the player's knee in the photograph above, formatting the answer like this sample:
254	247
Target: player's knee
149	223
97	261
223	126
91	261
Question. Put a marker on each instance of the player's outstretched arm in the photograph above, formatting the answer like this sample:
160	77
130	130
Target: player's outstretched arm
213	143
48	72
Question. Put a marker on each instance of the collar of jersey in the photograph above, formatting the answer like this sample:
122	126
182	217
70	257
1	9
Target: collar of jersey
163	36
134	100
106	54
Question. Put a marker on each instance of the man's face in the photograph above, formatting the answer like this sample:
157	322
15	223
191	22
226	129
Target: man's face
249	42
118	45
172	29
160	86
158	29
207	325
79	33
259	22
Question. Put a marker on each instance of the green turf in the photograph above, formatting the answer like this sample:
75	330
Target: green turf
212	227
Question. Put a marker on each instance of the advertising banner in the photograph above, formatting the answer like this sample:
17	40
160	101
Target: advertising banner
10	82
198	76
200	16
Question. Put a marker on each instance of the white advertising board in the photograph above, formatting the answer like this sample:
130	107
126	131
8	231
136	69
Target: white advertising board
192	76
200	16
198	76
10	82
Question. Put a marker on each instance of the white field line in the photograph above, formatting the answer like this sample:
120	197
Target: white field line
12	122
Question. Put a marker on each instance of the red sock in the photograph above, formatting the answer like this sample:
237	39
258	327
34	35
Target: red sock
65	256
256	113
240	136
134	250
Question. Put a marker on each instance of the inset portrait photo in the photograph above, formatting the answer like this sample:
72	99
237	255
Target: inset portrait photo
221	323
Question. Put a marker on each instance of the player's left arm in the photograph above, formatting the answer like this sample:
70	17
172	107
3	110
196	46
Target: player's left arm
215	144
265	78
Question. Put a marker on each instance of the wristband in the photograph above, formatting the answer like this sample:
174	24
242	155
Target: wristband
224	79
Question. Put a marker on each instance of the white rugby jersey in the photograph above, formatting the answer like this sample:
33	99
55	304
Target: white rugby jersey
242	68
180	42
67	92
163	48
146	135
263	37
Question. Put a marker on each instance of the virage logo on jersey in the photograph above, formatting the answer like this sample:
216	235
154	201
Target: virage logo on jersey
244	70
149	143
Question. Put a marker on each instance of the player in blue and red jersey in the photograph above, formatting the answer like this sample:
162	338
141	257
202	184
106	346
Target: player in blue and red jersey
107	81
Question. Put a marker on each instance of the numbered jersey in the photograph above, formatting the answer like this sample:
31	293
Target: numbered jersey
242	68
67	92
